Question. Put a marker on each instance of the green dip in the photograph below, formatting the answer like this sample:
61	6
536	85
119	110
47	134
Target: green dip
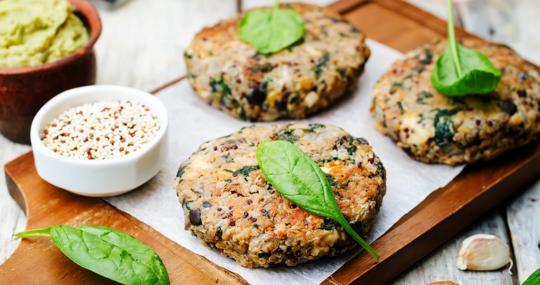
34	32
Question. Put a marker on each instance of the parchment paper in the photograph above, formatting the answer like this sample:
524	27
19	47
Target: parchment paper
192	122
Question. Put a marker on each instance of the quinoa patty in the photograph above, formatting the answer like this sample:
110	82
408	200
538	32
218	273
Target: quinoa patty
438	129
230	206
293	83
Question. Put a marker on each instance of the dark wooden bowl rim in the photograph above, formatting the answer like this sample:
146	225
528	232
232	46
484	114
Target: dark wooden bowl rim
93	22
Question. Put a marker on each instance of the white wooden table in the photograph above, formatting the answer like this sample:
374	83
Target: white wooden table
141	46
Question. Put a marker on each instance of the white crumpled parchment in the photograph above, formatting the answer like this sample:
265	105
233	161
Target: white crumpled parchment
193	122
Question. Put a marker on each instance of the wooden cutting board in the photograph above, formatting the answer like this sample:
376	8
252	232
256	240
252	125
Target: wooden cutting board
443	214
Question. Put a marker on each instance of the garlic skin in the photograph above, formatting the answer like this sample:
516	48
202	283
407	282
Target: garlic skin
482	252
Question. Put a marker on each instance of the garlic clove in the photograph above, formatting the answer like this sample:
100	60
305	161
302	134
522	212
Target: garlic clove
482	252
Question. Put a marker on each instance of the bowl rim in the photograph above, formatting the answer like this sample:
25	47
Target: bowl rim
139	96
91	17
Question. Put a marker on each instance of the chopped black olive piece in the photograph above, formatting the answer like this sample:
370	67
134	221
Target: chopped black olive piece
328	225
263	254
258	94
195	217
361	140
219	232
428	57
508	107
331	180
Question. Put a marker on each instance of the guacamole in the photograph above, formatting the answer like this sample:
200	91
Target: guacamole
34	32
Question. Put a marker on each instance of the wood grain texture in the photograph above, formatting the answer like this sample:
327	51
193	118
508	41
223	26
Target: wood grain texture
511	22
142	42
444	212
132	52
12	217
119	69
47	205
248	4
441	265
523	216
402	33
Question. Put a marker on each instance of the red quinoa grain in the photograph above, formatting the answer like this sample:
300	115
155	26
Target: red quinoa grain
102	130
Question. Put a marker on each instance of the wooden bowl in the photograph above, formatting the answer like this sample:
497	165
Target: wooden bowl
23	90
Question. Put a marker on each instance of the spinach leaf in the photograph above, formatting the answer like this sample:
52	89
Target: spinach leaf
460	71
109	253
444	127
321	64
287	135
534	279
220	86
271	30
245	170
300	180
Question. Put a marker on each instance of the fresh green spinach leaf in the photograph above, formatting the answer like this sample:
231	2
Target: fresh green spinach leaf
109	253
271	30
461	71
534	279
300	180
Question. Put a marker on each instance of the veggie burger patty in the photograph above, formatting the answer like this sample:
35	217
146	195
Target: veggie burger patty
453	130
229	204
230	75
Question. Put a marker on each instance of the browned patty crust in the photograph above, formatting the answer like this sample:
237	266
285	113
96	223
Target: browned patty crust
293	83
453	130
230	206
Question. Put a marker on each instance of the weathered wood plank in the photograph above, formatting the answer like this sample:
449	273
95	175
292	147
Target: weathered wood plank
441	265
247	4
142	42
511	22
150	53
141	46
435	7
523	216
12	218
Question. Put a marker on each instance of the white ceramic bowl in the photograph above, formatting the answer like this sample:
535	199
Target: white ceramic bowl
99	178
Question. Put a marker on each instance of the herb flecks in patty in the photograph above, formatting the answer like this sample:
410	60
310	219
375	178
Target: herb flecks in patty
245	170
219	85
249	210
287	135
444	127
321	64
229	74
